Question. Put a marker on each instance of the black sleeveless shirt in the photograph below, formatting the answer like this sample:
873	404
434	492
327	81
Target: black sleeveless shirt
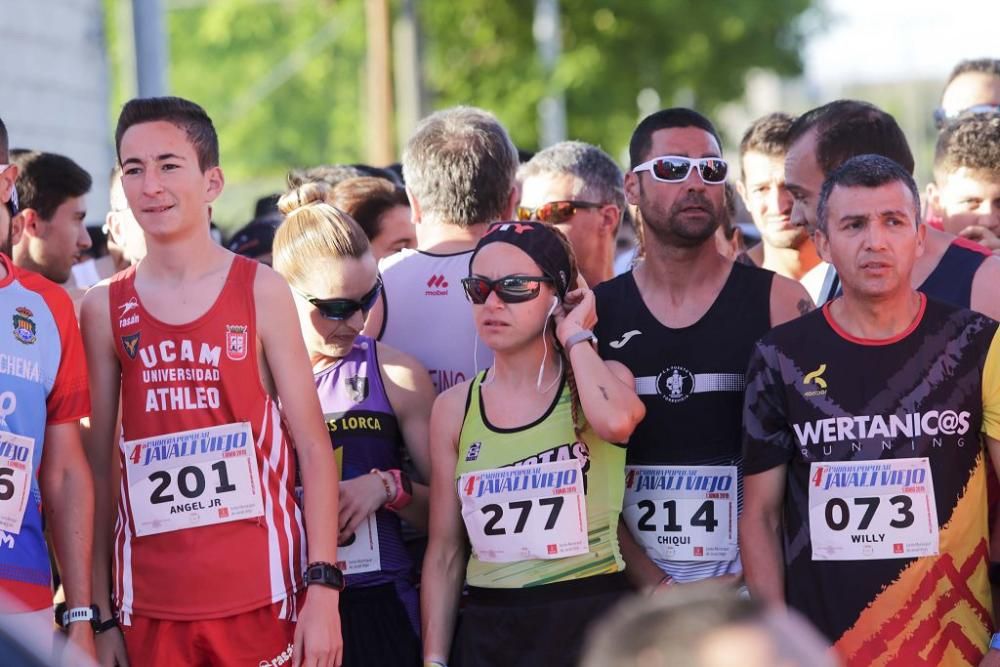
951	280
691	379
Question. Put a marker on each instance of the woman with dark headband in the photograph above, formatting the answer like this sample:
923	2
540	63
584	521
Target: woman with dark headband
375	400
523	466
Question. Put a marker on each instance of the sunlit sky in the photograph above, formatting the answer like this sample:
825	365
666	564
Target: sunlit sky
891	40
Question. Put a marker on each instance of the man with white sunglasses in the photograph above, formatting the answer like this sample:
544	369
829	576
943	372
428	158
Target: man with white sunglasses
684	321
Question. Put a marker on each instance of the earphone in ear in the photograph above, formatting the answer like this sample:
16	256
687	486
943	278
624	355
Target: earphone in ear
555	301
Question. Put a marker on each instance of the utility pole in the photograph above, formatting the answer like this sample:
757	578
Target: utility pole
548	40
411	98
151	56
379	78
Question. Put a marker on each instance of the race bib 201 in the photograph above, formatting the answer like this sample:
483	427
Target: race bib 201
193	478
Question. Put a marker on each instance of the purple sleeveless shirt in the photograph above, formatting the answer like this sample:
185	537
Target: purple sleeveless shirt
363	426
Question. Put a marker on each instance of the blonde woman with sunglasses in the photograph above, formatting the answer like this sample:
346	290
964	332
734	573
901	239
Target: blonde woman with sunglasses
376	401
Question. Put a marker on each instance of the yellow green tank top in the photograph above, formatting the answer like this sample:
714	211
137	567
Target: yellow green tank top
538	446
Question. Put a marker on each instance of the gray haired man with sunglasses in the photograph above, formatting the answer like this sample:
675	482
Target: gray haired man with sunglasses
684	321
578	188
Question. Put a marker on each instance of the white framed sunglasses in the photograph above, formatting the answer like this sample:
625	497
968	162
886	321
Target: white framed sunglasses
676	169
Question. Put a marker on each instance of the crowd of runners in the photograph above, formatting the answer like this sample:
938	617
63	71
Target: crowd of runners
462	422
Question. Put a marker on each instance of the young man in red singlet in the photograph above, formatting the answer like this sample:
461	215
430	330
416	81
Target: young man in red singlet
209	544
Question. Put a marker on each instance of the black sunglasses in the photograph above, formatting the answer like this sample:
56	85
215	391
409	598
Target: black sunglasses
510	289
342	309
941	117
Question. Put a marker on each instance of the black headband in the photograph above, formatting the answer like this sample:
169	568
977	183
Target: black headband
539	241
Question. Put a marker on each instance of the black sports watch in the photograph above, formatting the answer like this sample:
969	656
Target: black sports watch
325	574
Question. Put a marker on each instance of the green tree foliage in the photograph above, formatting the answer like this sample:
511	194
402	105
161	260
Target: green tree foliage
284	79
694	52
281	80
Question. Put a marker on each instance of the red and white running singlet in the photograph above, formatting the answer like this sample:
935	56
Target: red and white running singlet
207	521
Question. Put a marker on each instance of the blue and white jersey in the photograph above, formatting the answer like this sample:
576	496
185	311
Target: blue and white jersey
43	381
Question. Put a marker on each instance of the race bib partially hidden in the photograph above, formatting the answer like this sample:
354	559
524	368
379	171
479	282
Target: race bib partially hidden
360	553
683	512
193	478
526	512
16	453
860	510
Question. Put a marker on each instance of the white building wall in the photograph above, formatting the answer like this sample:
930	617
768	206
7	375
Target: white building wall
54	85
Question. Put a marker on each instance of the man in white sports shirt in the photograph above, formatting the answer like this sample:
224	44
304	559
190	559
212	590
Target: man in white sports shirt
209	547
460	168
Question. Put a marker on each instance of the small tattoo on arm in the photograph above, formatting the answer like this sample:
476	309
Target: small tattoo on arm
805	306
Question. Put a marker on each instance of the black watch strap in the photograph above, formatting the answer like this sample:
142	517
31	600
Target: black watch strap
104	626
325	574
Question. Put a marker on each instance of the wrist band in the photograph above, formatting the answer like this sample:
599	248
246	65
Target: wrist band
109	624
89	614
434	663
403	495
579	337
389	495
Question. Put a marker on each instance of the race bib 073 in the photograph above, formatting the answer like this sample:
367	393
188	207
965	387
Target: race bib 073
683	512
193	478
860	510
535	511
16	452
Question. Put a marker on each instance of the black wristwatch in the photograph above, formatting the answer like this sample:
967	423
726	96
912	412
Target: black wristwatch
104	626
325	574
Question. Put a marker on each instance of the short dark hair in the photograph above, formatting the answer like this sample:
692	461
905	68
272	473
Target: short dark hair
865	171
847	128
46	180
366	199
971	141
334	174
989	66
330	174
4	142
177	111
768	135
664	119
